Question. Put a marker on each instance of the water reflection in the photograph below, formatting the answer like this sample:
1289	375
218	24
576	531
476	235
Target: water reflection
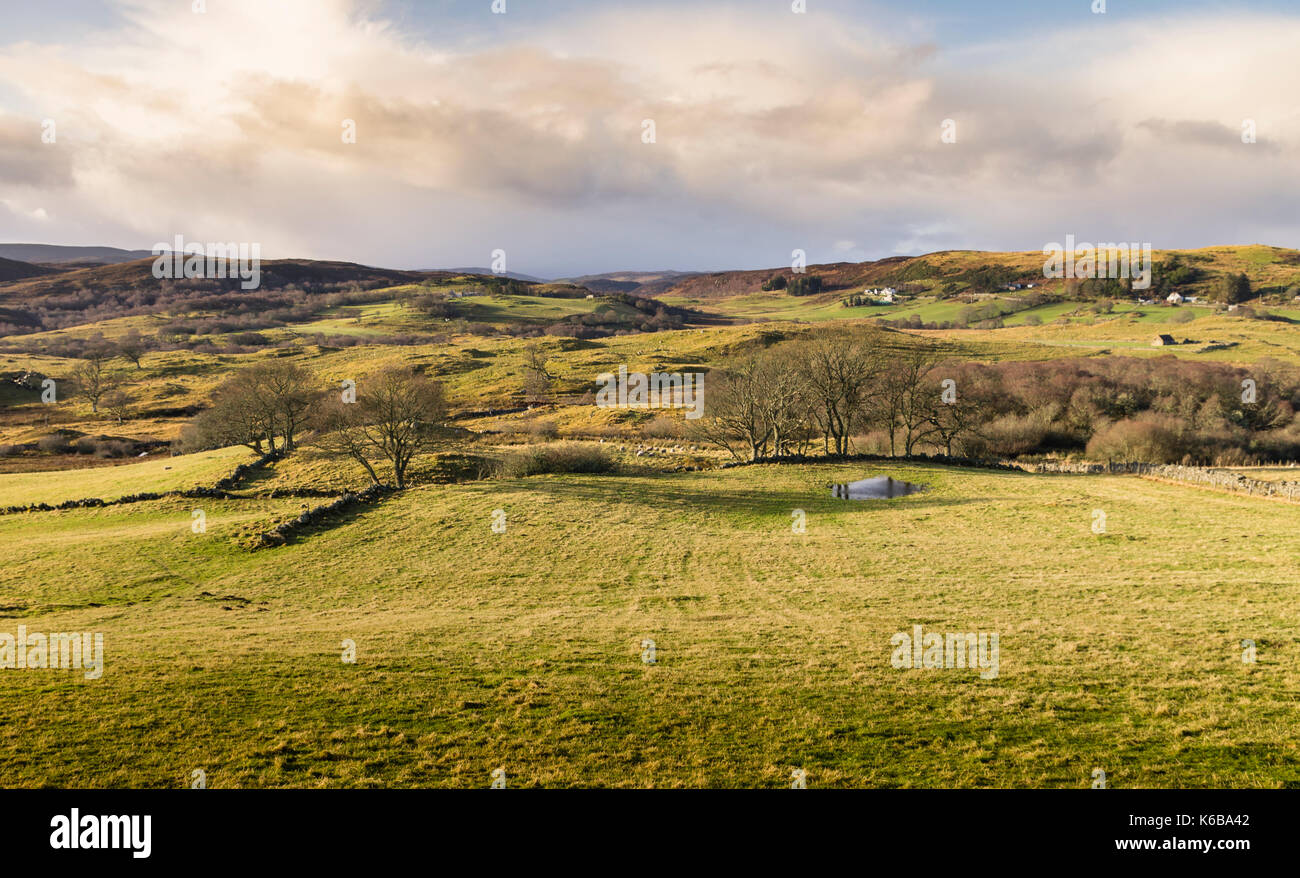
878	488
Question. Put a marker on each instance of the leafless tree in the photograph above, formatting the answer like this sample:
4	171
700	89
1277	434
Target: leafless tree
257	405
132	346
537	379
735	416
394	418
90	379
840	374
118	402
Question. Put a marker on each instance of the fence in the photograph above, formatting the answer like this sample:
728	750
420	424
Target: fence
1193	475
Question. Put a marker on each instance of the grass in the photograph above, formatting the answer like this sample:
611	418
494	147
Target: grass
477	650
111	482
522	649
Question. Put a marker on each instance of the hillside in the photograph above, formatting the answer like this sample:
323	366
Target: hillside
1268	268
12	270
53	254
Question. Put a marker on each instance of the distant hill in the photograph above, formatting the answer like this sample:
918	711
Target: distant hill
1269	269
637	283
12	269
513	275
53	254
68	298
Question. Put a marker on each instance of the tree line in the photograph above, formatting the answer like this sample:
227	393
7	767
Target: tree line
382	422
841	391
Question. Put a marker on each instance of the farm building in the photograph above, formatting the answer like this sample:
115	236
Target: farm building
1175	299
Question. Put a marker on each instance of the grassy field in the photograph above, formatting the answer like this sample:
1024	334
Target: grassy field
477	650
111	482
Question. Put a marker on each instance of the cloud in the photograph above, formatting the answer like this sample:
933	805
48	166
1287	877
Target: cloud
772	131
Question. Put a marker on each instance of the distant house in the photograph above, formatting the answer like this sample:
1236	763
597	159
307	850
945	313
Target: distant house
1175	299
1233	307
1162	340
884	295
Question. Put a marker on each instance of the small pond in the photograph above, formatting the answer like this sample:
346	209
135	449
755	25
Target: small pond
878	488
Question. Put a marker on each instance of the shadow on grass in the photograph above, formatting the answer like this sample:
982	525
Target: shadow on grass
330	520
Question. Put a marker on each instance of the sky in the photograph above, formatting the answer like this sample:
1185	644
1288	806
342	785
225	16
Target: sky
849	131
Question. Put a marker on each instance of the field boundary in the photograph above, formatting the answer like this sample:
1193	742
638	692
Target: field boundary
219	491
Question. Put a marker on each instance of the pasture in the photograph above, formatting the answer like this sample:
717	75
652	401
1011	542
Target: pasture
524	649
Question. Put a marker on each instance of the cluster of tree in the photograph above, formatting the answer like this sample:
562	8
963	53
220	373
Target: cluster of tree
500	285
263	406
93	381
804	285
388	418
829	388
1232	289
1171	276
1100	288
841	391
987	278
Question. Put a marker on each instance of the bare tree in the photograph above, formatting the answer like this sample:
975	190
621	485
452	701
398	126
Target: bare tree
906	403
118	402
839	373
735	416
284	392
90	380
537	379
395	417
132	346
958	410
235	418
786	403
255	406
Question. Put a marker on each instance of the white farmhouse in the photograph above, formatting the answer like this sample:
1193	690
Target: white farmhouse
1175	299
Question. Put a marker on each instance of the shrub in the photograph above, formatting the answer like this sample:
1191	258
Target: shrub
540	429
54	443
567	457
662	427
1149	438
114	448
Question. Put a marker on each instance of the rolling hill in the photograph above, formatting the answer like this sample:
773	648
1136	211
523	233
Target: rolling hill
54	254
12	269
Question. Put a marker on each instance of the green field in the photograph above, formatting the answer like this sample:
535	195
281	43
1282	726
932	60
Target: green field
522	650
109	483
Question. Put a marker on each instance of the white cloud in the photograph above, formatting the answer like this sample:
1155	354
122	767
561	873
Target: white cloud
226	126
